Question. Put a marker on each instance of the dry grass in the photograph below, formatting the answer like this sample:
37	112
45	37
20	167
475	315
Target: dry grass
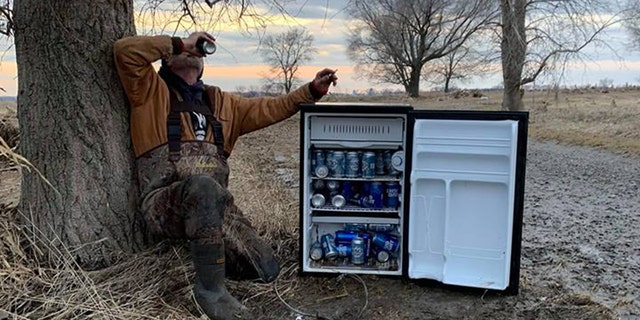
156	284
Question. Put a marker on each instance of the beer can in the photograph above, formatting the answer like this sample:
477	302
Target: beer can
369	164
322	171
315	253
317	159
364	201
338	201
376	194
385	242
345	237
366	188
386	155
318	185
380	163
337	164
318	200
347	189
358	227
352	165
384	228
366	238
392	192
397	161
328	246
332	186
382	256
344	251
357	251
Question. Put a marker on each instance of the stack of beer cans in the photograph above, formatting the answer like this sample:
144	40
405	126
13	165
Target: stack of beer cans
356	164
370	245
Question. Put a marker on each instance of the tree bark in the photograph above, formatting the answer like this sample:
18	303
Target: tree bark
513	47
413	87
74	127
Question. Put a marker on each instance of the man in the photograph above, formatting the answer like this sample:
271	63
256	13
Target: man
183	132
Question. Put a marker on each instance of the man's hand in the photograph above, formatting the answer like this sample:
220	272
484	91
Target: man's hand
190	42
324	79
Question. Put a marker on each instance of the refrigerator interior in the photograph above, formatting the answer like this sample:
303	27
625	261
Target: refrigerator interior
351	134
462	201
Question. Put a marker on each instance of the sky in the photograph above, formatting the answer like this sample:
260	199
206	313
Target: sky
237	63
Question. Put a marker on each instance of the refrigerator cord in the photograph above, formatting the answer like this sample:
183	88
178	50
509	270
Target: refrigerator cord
317	316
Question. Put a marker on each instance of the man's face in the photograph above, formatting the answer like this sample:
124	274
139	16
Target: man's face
185	60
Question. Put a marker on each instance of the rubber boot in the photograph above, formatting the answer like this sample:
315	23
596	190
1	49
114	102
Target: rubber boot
209	289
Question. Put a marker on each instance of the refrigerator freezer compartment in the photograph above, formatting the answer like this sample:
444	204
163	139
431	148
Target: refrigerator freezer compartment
361	129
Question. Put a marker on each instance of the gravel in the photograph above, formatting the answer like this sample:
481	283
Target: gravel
582	222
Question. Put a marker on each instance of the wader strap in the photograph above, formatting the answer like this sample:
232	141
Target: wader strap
174	123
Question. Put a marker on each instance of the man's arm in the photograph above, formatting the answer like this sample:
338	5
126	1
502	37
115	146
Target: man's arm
134	57
256	113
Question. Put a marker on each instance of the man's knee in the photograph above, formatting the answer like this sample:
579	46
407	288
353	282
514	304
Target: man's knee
204	203
206	190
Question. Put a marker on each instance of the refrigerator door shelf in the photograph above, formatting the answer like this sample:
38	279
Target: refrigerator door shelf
377	178
355	219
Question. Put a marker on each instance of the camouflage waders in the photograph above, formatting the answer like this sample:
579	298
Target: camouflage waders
188	199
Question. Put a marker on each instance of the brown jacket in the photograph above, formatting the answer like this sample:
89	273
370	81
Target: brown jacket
149	98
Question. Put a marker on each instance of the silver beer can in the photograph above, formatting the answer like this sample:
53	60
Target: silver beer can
357	251
315	253
368	164
337	164
318	200
397	161
338	201
332	186
352	166
322	171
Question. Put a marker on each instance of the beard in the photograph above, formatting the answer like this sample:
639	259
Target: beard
186	61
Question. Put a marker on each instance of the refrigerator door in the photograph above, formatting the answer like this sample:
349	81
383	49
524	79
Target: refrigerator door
466	187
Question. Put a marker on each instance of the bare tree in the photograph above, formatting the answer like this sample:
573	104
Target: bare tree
393	39
633	22
286	52
459	65
538	36
74	118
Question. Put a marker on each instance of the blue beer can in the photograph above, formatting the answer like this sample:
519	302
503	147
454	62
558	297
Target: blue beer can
352	165
328	246
377	194
366	238
392	194
382	227
337	164
317	159
369	164
344	250
380	163
365	201
357	251
347	190
344	236
386	155
385	242
358	227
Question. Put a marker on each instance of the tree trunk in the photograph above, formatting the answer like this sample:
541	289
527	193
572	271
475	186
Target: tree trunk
74	126
514	49
413	88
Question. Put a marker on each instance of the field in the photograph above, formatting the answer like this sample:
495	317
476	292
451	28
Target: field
580	240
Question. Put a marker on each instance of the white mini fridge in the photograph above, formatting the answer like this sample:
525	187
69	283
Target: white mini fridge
420	194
